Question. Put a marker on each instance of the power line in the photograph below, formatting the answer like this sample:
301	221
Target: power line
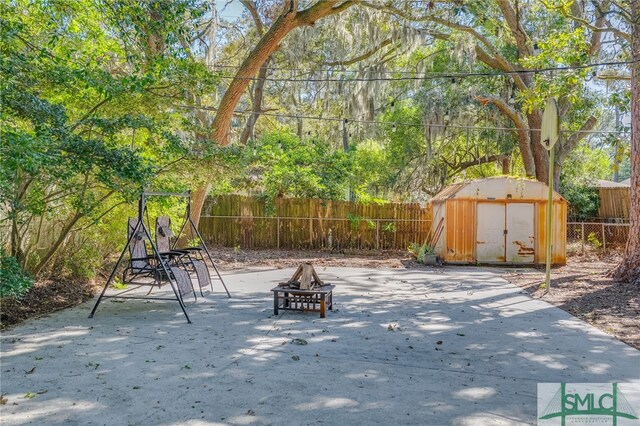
434	76
395	123
337	70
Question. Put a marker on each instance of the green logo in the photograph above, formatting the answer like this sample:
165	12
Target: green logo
585	400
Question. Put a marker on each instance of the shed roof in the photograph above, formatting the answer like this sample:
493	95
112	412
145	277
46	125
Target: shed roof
497	188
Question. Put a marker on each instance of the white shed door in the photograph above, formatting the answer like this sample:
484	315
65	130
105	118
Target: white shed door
520	233
490	234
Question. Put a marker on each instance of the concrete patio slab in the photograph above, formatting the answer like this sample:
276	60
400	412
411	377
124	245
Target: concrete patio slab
446	346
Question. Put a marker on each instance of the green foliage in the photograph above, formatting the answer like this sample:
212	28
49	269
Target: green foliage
583	201
592	238
81	263
370	171
583	168
87	121
13	282
284	165
355	221
419	251
103	98
389	227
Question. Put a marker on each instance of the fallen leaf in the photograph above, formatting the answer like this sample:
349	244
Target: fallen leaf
299	342
3	400
295	358
30	371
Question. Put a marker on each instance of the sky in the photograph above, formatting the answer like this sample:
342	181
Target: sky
229	9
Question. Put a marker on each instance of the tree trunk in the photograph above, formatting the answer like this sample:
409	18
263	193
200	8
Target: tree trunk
629	268
258	95
265	47
197	202
540	154
506	165
269	43
56	245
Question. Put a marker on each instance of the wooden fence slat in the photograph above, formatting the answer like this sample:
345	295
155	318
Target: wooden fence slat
236	220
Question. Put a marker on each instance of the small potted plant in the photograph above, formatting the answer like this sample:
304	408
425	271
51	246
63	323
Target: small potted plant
429	257
424	253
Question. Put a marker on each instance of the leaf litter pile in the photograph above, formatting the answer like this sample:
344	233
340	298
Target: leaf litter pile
583	288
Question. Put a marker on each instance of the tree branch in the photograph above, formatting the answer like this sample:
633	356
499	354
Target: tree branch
487	54
565	148
519	34
524	138
90	113
269	43
362	57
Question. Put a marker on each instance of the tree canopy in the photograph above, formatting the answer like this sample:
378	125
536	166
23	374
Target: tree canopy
368	100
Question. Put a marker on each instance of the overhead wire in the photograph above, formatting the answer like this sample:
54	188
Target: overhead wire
433	76
395	123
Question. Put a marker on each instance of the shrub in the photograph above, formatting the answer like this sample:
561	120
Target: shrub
594	241
419	251
13	281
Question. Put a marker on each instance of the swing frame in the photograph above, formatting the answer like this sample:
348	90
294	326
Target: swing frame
161	260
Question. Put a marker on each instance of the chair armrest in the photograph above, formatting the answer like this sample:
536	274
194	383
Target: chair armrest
172	253
143	258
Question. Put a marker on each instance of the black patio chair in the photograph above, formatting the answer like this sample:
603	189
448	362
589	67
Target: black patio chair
144	265
191	257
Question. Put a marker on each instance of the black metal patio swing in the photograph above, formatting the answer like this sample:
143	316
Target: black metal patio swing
166	263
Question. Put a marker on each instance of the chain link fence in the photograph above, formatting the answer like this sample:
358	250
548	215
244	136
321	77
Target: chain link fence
371	234
593	236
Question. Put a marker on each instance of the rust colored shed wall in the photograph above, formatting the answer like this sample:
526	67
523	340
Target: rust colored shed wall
559	241
458	205
460	231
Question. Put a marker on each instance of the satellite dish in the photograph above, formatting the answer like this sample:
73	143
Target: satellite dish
550	124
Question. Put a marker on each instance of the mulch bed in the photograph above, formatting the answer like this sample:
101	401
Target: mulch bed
44	298
583	288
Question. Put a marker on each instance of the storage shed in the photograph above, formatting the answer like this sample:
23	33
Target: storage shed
497	220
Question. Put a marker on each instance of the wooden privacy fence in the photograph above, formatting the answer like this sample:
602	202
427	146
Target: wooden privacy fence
295	223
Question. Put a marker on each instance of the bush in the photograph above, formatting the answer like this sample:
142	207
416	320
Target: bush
419	251
13	281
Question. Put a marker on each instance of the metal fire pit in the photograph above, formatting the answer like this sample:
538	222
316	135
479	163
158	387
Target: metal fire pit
303	292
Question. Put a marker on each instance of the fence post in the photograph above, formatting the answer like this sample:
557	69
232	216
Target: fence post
582	238
604	239
278	232
377	234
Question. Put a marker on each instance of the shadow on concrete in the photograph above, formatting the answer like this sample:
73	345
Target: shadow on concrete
428	347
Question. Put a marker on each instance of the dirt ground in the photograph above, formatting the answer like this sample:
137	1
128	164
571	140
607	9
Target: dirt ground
581	287
43	298
229	258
